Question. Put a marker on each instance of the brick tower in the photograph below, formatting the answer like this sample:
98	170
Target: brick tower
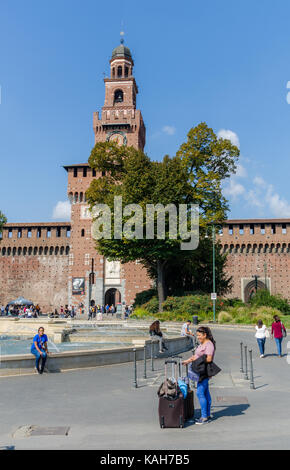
120	121
91	277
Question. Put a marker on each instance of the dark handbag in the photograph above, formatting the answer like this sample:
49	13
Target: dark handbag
212	369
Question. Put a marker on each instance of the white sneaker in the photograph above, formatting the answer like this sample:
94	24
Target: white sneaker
262	355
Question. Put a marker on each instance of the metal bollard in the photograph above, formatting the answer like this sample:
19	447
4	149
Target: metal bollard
152	357
242	361
246	364
135	369
145	372
252	385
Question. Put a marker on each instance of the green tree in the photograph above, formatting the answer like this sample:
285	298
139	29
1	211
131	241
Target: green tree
3	221
193	176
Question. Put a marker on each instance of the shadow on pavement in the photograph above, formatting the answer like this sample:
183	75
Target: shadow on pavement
232	410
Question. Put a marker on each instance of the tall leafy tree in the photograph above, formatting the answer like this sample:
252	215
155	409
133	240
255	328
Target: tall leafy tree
193	176
3	221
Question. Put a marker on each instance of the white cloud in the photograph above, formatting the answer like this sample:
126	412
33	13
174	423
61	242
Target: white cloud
258	181
278	206
241	171
229	135
62	210
234	189
169	130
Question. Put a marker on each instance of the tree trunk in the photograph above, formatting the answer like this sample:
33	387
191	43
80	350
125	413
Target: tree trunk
160	283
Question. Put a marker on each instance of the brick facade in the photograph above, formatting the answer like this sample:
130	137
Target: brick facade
257	247
34	263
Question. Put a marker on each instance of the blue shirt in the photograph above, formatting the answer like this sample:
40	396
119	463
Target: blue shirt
40	340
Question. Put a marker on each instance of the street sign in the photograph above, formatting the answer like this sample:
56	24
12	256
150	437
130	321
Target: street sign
213	296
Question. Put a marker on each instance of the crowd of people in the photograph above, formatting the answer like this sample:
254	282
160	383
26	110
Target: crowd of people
20	311
97	311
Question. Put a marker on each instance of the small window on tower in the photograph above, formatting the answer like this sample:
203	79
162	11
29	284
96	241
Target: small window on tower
119	71
126	71
118	96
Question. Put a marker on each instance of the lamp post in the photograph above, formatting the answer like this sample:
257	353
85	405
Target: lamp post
213	228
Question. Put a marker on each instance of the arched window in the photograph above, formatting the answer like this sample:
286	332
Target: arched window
126	71
83	232
25	251
118	96
119	71
113	72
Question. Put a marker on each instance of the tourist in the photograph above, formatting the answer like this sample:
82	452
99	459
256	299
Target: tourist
185	331
204	354
90	313
127	312
261	334
278	331
154	330
72	312
2	310
61	311
107	308
39	349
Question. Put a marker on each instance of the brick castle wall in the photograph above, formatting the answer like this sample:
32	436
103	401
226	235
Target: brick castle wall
34	264
257	248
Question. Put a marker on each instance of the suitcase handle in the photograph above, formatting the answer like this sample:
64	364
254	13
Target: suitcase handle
170	362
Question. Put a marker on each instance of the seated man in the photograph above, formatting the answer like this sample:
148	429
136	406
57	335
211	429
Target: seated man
185	331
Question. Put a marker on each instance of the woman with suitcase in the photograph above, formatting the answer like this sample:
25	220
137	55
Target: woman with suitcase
204	355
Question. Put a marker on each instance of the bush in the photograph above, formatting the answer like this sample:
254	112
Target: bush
144	297
140	313
152	305
264	298
224	317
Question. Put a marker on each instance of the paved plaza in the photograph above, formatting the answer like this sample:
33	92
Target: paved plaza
104	411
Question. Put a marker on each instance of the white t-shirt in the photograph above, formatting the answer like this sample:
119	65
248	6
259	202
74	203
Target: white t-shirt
261	332
184	329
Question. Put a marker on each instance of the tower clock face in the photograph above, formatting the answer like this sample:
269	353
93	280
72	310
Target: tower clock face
119	138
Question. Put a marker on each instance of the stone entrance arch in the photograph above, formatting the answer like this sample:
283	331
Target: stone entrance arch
112	296
250	289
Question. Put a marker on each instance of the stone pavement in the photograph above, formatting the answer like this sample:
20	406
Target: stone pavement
104	411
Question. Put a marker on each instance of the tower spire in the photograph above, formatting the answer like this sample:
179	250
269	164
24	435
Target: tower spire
122	37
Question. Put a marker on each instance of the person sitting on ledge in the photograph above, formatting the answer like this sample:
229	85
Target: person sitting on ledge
39	349
154	330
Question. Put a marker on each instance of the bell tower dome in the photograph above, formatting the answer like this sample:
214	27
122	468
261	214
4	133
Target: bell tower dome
120	120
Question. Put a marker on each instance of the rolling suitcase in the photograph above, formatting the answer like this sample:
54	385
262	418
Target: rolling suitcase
189	400
171	408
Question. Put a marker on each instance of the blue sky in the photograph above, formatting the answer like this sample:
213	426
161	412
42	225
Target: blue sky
223	62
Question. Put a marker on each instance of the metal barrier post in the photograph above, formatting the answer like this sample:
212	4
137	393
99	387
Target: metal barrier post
252	385
152	357
242	361
246	364
135	369
145	372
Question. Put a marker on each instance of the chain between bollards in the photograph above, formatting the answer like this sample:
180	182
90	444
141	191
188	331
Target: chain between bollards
135	369
252	385
242	361
246	364
145	372
152	357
